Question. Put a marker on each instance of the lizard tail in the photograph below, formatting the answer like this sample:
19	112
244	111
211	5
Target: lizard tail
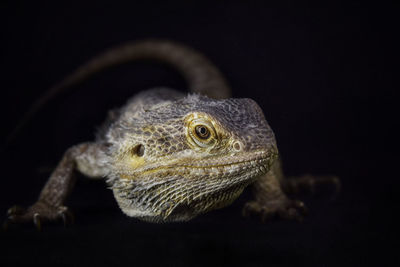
200	74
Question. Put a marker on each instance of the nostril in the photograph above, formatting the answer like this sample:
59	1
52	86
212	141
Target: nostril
237	146
138	150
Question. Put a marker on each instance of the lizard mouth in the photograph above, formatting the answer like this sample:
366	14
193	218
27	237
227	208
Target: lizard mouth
214	166
181	190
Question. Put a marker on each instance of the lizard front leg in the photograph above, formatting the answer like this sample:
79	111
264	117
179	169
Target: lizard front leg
88	158
270	201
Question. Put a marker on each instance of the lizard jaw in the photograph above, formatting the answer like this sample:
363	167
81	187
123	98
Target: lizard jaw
179	193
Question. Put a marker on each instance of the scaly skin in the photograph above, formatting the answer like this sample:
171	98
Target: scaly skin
170	157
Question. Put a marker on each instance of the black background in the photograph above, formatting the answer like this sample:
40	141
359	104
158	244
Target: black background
322	76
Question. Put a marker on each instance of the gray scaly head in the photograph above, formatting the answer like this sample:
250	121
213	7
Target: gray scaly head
182	158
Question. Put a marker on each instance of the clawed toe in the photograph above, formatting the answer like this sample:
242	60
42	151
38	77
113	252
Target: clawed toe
289	210
37	221
300	206
15	210
38	214
296	210
66	216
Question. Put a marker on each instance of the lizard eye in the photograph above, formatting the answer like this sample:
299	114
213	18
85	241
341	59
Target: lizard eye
202	131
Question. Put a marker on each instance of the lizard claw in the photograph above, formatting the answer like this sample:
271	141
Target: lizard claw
37	222
287	209
15	210
67	216
13	215
296	210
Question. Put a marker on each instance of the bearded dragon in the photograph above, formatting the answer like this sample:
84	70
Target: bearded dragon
168	156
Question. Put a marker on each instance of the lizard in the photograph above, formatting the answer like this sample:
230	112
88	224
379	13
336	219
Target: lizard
168	156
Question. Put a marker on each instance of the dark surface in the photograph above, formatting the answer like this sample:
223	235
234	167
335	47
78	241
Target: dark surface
322	76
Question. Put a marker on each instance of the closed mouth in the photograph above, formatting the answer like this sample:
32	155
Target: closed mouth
226	166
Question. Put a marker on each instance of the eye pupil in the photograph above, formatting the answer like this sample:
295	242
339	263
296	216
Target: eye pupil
202	131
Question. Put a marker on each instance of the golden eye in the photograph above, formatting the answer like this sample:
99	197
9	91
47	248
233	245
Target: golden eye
202	132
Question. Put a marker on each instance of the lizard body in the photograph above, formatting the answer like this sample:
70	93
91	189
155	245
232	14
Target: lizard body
168	156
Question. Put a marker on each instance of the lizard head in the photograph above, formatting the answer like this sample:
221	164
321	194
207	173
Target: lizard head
178	159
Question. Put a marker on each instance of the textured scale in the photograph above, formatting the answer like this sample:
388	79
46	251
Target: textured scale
157	162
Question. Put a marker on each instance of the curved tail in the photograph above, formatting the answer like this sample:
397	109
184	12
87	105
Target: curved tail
200	74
